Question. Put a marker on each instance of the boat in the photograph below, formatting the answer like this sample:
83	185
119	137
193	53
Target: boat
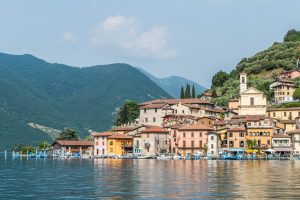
178	157
143	157
164	157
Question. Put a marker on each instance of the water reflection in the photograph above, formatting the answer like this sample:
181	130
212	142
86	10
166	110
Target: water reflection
135	179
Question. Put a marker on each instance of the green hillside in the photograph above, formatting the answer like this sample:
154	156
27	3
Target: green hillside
261	68
58	96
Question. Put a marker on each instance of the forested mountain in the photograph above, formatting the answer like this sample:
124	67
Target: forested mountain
261	68
58	96
172	84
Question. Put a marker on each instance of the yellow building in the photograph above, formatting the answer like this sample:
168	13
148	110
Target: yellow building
284	113
262	136
283	90
119	144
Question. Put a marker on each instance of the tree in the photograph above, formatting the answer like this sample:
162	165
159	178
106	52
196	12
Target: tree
187	91
182	93
214	94
27	149
43	145
193	92
296	94
219	78
128	113
292	36
68	134
251	144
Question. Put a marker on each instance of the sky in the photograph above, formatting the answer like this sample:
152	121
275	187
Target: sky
193	39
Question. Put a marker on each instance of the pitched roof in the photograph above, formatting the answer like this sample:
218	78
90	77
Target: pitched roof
73	142
120	128
119	136
255	117
153	106
176	101
280	136
297	131
196	127
155	129
281	109
103	134
236	129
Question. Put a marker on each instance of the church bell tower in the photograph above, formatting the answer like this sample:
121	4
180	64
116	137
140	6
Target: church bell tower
243	82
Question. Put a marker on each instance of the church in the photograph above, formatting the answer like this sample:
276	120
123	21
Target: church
251	101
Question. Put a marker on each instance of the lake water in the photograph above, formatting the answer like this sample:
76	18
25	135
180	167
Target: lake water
148	179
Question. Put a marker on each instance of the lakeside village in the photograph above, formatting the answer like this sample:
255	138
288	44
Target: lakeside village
249	128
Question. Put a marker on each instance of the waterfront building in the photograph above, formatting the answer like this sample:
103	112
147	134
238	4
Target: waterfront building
295	137
213	144
259	129
137	144
68	147
251	100
285	125
190	139
236	138
282	144
100	143
119	144
154	140
283	90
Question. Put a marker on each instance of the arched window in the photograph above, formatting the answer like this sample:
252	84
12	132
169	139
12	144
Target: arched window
243	79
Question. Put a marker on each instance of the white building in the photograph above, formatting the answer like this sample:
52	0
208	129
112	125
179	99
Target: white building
213	144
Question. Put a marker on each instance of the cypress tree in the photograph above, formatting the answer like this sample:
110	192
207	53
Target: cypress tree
187	91
182	93
193	92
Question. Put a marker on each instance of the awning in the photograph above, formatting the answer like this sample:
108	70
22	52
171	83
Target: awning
281	149
236	149
251	151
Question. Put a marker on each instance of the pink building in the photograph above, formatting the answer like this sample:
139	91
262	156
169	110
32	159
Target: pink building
291	74
190	139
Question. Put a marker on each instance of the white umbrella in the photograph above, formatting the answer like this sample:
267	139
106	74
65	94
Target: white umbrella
269	150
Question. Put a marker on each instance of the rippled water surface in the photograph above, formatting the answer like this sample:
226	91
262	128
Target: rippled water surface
149	179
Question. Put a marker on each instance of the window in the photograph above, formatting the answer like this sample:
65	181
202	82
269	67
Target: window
182	111
137	143
156	110
147	135
154	119
284	114
274	114
243	79
192	143
212	152
111	150
111	143
230	134
241	143
183	143
252	101
212	146
200	134
269	142
183	134
146	119
157	142
200	143
145	110
212	137
166	142
192	135
241	134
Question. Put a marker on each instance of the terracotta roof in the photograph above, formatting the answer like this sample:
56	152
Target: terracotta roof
176	101
155	129
153	106
103	134
287	121
120	128
279	109
119	136
74	142
255	117
280	136
219	122
235	129
196	127
297	131
233	100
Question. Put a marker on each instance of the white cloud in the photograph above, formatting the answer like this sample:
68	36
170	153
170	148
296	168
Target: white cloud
68	38
124	33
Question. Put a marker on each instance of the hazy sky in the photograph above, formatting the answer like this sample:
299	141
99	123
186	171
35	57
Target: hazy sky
194	38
